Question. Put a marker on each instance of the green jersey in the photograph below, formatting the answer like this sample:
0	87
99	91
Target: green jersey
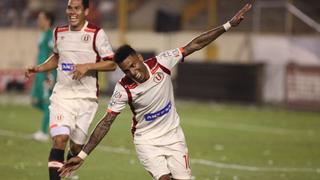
40	92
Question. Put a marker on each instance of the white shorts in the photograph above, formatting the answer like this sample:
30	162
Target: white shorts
169	159
76	114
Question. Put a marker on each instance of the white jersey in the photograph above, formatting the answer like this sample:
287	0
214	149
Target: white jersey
89	45
151	102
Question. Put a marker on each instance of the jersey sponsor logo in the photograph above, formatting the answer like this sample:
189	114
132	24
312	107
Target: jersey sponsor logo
67	66
171	53
175	53
160	113
86	38
158	77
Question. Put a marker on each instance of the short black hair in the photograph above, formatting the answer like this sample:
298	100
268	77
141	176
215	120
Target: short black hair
85	4
49	16
123	52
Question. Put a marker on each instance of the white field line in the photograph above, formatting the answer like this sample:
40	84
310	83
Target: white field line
243	127
121	150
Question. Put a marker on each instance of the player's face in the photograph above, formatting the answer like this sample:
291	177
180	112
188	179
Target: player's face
42	21
76	14
134	68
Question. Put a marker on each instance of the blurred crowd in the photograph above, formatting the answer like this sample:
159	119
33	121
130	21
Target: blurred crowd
23	13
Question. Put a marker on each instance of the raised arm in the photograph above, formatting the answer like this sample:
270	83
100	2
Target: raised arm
207	37
50	64
97	135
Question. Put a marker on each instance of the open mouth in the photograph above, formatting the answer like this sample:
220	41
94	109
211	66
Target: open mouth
73	19
138	76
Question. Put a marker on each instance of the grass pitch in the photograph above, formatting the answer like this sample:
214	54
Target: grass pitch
226	142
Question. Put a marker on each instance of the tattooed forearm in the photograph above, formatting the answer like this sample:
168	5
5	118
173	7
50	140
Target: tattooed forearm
203	40
99	132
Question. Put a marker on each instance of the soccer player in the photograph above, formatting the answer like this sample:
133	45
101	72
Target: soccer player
43	82
80	50
147	88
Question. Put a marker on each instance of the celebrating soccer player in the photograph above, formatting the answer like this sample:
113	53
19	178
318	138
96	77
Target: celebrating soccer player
78	50
147	88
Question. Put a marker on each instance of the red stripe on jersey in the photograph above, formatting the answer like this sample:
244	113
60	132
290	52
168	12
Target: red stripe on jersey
92	26
95	29
63	28
154	65
110	57
97	84
97	81
128	83
94	44
60	29
55	35
90	30
155	69
152	62
164	69
123	82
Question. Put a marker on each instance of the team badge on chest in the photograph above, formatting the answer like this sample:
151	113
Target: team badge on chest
158	77
86	38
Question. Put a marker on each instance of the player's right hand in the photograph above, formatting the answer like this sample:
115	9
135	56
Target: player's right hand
70	166
235	21
31	70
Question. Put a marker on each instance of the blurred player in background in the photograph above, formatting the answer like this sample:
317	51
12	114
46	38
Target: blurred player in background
43	82
147	88
80	50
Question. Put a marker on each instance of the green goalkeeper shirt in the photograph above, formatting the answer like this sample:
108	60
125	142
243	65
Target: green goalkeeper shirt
45	46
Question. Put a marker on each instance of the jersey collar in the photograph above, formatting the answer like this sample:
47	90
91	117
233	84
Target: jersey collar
82	29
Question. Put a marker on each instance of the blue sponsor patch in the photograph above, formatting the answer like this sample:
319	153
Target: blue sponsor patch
67	66
163	111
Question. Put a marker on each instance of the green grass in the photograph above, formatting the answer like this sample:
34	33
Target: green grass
277	143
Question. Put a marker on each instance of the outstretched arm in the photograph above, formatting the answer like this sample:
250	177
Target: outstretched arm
207	37
50	64
97	135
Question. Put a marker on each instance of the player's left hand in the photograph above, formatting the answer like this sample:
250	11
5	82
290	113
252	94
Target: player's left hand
79	71
235	21
70	166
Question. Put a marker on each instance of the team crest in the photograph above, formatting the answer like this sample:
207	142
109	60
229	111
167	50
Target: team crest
59	117
86	38
117	95
158	77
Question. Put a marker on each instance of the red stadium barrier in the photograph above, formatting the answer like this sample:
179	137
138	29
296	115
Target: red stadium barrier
14	80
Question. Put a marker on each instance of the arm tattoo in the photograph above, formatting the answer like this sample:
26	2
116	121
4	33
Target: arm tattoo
203	40
99	132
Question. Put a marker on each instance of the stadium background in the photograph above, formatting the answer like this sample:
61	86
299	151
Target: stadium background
249	102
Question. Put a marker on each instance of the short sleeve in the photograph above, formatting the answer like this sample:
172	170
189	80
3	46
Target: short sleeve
170	58
103	45
118	100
